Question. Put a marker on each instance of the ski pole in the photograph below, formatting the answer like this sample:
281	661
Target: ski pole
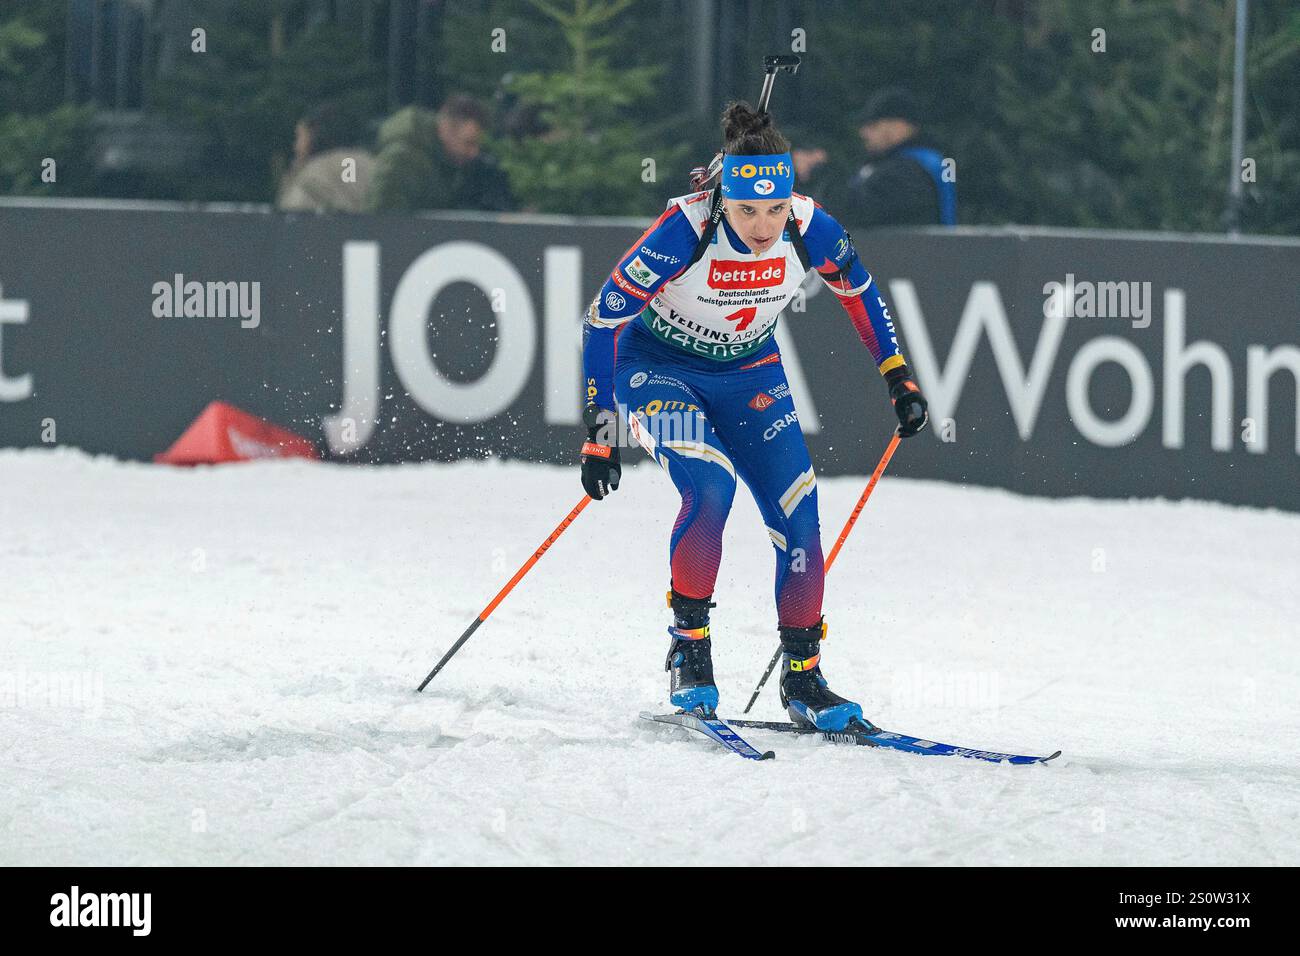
862	501
501	595
839	543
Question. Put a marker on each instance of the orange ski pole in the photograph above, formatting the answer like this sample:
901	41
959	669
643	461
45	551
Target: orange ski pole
501	595
875	477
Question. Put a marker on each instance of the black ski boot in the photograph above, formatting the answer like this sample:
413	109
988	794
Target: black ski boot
690	656
804	693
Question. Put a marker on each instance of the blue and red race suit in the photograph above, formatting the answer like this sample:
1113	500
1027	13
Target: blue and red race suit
687	352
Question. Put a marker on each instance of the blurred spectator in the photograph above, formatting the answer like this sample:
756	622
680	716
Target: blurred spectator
321	179
902	183
436	161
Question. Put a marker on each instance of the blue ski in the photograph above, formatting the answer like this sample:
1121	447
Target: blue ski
713	728
872	736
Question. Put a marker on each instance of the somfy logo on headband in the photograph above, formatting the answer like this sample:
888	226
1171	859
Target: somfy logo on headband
750	170
758	177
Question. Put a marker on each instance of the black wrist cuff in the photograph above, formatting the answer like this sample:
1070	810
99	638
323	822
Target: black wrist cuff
899	374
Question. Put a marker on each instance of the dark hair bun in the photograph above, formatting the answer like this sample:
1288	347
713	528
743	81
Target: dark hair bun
747	132
740	119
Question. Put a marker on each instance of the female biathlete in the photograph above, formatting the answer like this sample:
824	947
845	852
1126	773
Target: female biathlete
681	339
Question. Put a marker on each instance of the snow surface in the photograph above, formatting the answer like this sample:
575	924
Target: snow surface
216	666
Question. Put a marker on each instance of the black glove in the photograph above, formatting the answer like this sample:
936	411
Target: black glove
909	404
600	464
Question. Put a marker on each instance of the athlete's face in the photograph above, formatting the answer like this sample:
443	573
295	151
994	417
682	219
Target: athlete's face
758	222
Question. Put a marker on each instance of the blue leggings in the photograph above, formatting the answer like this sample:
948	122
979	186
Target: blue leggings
708	426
